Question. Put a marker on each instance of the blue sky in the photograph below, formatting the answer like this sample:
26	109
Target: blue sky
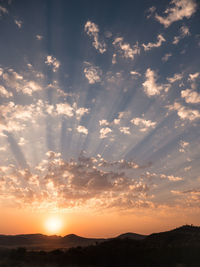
100	104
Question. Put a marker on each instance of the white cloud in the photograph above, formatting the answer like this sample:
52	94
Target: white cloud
103	122
143	124
92	73
125	130
190	96
125	48
176	77
104	132
18	23
17	82
93	31
166	57
193	76
4	92
149	46
185	113
171	177
116	121
80	112
64	109
180	9
151	88
82	129
184	31
52	61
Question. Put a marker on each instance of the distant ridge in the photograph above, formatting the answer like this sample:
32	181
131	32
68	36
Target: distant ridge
132	236
181	236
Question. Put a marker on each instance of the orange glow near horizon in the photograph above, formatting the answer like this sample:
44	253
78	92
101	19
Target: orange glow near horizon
53	225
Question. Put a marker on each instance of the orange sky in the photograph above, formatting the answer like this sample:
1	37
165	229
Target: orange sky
16	221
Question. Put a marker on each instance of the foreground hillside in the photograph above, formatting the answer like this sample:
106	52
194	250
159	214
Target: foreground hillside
178	248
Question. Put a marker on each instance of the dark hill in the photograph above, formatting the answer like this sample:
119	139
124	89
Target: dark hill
131	236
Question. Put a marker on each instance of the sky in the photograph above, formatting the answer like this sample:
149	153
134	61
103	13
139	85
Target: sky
99	115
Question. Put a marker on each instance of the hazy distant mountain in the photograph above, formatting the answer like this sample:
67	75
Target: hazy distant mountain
39	241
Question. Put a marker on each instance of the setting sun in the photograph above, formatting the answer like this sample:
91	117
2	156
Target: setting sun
53	225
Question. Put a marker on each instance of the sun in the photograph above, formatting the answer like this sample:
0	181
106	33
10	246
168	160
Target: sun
53	225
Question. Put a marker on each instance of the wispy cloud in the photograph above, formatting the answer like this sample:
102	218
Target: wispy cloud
166	57
3	10
52	61
184	31
93	31
175	78
149	46
92	73
125	49
18	23
4	92
177	10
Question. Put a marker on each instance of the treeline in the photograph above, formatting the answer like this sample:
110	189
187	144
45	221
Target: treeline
112	253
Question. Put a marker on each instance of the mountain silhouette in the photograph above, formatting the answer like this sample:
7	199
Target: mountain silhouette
182	236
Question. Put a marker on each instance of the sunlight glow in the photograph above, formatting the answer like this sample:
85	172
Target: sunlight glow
53	225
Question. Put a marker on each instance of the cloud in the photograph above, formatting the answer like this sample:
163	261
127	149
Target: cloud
143	124
151	88
166	57
150	12
64	109
104	132
190	96
52	61
171	177
184	31
82	129
125	49
178	10
39	37
55	183
92	73
103	122
125	130
3	10
80	112
183	145
185	113
18	23
149	46
120	164
17	82
93	31
135	74
175	78
4	92
114	61
193	76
